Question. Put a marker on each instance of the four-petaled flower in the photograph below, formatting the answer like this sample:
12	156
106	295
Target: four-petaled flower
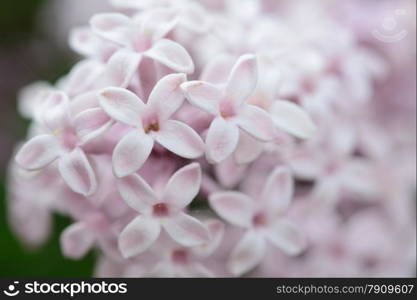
144	34
151	121
174	260
64	139
262	220
227	104
164	212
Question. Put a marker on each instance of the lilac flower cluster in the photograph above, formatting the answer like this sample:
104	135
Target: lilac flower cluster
207	138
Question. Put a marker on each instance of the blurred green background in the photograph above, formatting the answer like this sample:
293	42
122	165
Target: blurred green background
28	54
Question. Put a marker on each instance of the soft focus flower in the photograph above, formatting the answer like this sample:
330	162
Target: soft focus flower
224	138
143	35
61	142
170	259
262	219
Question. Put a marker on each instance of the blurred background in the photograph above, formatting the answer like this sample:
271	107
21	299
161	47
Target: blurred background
30	50
33	46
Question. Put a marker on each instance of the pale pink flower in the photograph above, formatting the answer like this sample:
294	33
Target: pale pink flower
63	140
186	14
78	238
85	42
31	97
113	146
230	110
286	116
164	212
151	122
329	160
89	75
262	220
144	34
30	215
171	259
141	5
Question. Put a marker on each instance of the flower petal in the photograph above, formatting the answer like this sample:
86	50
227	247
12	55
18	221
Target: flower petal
292	119
82	76
163	269
32	220
111	26
38	152
285	236
278	190
91	123
159	22
186	230
188	181
307	164
55	110
83	102
136	193
221	140
203	95
194	18
76	240
120	69
356	176
243	79
77	172
132	4
326	192
217	70
229	173
131	152
138	236
216	229
200	271
234	207
248	148
166	97
180	138
248	253
172	55
30	98
122	105
83	41
256	122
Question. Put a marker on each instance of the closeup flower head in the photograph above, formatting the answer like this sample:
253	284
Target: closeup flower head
219	139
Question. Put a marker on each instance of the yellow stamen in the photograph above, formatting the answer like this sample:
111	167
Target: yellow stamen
152	127
57	132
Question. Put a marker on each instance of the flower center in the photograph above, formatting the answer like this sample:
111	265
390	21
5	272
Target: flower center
153	126
259	220
69	139
308	86
370	262
332	167
337	251
179	256
142	42
226	109
98	222
160	210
